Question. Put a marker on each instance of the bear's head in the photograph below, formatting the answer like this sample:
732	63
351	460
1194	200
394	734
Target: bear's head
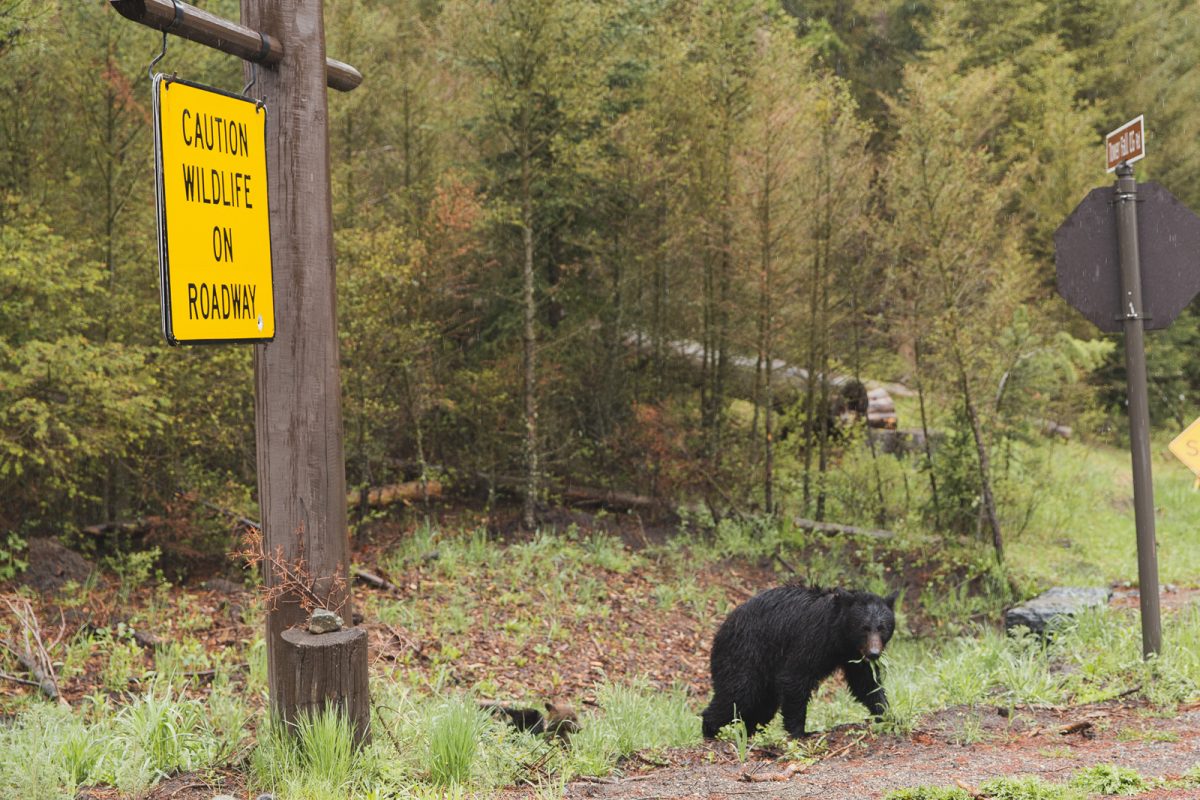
868	621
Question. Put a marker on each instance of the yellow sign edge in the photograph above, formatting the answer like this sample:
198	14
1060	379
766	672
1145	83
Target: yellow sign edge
1172	447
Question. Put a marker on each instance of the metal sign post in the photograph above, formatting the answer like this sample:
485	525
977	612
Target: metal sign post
1131	270
1139	414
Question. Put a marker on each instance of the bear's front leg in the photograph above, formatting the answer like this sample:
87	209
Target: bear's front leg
860	677
794	706
720	712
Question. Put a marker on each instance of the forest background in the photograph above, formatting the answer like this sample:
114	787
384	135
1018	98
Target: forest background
537	201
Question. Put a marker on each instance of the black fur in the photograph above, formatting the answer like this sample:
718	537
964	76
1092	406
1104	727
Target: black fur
775	649
558	720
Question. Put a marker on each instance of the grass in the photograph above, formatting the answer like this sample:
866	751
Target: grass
1086	535
929	793
1106	780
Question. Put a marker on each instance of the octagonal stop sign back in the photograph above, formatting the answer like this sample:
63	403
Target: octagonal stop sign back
1088	263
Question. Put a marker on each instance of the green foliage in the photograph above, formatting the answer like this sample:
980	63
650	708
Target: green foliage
52	445
121	668
46	754
133	569
649	151
929	793
1108	779
11	563
1027	787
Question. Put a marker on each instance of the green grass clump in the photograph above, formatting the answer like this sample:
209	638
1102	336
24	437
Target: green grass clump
454	741
316	759
161	734
1108	779
928	793
736	734
445	742
1027	787
33	765
632	718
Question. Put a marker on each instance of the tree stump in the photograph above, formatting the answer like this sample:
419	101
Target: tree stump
326	670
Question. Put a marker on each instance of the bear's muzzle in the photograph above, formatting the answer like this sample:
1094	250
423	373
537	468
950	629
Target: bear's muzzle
874	647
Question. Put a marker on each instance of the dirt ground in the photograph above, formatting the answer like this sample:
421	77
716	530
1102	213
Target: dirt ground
857	765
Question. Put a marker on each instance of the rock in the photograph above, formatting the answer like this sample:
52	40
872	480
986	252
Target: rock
224	797
324	621
1054	604
223	586
52	566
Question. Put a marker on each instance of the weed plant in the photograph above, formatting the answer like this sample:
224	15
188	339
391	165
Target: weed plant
1108	779
736	734
928	793
1027	787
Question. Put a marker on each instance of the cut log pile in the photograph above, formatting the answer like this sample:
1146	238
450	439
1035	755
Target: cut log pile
789	381
881	409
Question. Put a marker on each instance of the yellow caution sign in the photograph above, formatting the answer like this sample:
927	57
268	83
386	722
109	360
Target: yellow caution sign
1186	446
214	232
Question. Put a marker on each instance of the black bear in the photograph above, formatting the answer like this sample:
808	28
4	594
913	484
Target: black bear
557	721
775	649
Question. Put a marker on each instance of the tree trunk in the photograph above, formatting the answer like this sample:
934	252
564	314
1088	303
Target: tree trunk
329	664
933	488
528	342
985	477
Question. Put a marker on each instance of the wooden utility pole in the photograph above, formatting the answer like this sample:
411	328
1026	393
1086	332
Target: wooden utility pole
298	401
298	414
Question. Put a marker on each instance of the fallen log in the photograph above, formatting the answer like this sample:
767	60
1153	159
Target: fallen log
1051	428
133	527
833	528
407	492
609	498
375	581
881	409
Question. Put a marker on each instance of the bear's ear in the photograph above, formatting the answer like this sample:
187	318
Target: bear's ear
891	599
